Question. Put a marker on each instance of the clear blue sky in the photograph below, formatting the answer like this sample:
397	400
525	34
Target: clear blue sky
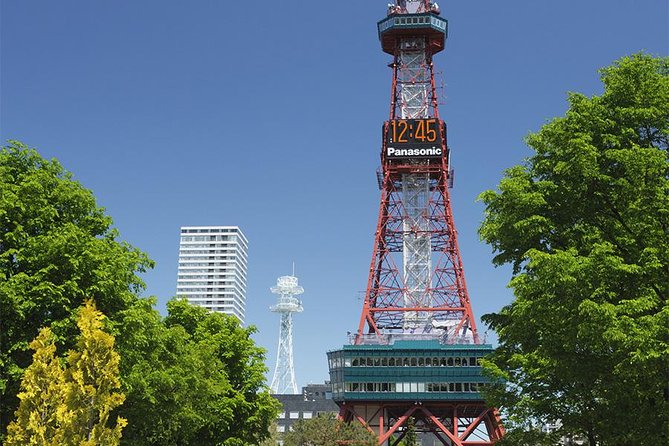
267	115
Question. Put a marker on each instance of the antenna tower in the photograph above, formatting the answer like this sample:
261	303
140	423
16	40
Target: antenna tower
416	354
287	288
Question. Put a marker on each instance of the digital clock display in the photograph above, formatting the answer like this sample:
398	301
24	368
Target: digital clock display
413	138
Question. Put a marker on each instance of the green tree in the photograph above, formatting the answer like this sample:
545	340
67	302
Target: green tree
198	375
57	248
173	384
70	406
273	437
247	396
326	430
585	225
410	436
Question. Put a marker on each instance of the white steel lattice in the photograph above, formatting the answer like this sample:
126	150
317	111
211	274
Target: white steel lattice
413	79
414	84
287	288
417	249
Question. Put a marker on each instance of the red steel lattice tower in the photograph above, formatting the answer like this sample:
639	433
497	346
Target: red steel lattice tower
416	354
415	230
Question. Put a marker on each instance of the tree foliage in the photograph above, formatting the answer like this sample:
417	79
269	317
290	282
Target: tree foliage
273	437
70	406
57	248
410	435
190	378
92	384
42	394
585	225
200	379
326	430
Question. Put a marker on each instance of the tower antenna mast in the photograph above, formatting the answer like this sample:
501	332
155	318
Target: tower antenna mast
287	288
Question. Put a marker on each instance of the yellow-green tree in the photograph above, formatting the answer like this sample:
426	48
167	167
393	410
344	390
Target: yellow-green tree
42	394
70	406
93	384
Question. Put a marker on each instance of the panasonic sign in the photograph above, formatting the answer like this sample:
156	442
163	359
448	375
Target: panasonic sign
423	152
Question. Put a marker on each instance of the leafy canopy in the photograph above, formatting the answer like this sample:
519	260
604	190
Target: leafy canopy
57	248
199	378
585	225
326	430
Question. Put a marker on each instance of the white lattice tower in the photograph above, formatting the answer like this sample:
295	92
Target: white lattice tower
415	97
287	288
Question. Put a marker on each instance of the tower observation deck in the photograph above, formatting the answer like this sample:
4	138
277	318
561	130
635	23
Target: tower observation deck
416	353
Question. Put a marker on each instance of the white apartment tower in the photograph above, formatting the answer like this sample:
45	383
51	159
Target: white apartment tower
212	268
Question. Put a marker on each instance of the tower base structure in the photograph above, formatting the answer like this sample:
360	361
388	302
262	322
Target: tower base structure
422	385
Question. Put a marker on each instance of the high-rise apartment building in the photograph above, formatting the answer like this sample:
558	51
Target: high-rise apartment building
212	268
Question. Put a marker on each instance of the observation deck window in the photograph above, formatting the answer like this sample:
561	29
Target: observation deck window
414	387
405	361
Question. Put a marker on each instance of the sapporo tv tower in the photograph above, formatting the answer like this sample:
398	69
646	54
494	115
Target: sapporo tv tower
416	352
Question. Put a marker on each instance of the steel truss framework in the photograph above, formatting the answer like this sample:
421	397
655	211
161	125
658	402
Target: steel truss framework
415	225
283	381
416	281
389	298
454	424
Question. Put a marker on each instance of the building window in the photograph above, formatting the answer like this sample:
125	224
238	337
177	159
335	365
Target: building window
294	415
281	428
282	415
307	415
